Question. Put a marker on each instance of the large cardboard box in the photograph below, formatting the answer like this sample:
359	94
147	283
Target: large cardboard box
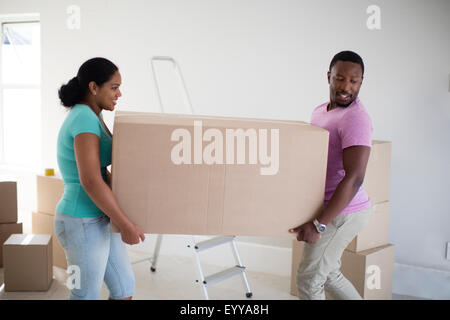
378	172
43	223
164	183
8	202
370	271
28	262
49	191
375	233
7	229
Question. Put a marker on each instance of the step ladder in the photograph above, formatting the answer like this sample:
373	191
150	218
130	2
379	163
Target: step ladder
197	247
239	269
153	258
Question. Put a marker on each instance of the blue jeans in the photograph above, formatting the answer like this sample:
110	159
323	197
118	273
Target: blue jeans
94	255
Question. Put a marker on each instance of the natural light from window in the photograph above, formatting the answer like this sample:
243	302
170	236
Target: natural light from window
20	94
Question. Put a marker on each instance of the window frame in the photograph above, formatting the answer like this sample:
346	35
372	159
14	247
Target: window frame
16	19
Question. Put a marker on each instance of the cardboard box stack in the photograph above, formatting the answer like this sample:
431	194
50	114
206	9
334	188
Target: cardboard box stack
49	191
8	213
368	261
28	262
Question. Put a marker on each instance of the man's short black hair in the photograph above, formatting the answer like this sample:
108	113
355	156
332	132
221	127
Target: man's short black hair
347	56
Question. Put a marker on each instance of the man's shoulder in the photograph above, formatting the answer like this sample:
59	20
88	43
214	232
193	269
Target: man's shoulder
321	107
356	115
356	109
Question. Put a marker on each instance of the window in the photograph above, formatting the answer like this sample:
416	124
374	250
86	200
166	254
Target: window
20	102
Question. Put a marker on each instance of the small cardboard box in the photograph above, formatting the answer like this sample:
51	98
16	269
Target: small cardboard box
369	271
8	202
375	233
378	172
28	262
43	223
7	229
49	191
179	174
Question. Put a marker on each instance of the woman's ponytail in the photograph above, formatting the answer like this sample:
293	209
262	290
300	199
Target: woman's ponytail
70	93
99	70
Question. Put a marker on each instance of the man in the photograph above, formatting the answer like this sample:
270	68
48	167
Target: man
347	206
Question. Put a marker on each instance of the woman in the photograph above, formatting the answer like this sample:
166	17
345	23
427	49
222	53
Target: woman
83	214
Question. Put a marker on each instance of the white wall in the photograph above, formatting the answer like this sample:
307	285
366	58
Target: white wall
269	59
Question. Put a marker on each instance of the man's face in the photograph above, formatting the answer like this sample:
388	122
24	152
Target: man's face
345	79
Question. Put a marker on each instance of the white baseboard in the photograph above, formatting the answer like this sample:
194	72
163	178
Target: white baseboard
407	280
421	282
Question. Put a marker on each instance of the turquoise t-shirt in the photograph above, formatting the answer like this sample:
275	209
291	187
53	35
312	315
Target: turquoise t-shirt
75	202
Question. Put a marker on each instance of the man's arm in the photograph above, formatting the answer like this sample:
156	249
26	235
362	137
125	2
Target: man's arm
355	160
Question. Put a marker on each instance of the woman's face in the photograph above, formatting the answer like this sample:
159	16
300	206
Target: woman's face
107	95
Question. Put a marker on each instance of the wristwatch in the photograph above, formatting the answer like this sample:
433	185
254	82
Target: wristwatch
319	227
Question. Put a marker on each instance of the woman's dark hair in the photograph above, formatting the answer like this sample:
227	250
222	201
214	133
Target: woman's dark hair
99	70
347	56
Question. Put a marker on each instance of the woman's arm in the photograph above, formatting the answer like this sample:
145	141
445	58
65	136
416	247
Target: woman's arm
86	148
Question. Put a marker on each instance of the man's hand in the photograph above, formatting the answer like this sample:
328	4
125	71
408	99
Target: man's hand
306	232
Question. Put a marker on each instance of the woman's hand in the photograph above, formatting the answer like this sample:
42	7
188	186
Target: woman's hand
131	234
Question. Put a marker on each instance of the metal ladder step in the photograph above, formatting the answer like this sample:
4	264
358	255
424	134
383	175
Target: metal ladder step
222	275
216	241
